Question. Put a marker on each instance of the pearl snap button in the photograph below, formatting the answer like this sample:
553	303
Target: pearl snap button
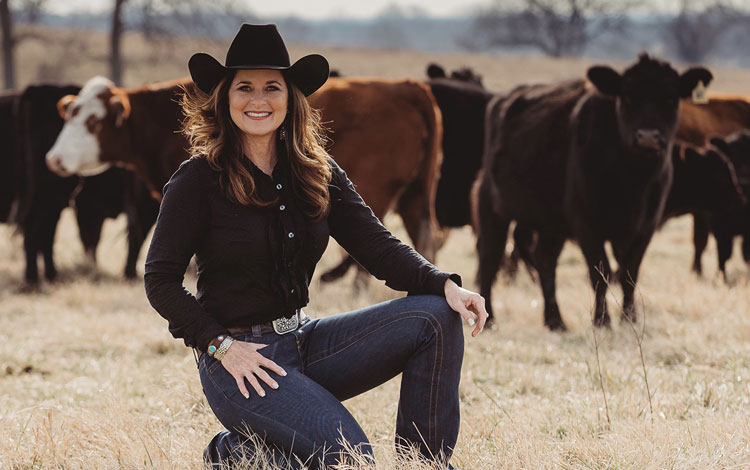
282	207
278	186
291	234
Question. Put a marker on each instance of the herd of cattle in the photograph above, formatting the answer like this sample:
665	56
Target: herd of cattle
605	158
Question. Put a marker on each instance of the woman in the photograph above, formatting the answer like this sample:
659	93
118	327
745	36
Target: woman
256	205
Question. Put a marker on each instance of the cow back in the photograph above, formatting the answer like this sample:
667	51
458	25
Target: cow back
721	116
382	133
526	150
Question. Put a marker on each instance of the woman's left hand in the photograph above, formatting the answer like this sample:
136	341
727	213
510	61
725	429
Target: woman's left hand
467	303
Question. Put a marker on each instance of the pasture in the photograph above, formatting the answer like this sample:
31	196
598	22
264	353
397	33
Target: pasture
91	379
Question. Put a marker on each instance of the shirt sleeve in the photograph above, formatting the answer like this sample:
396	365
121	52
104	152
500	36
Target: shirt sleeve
356	228
183	218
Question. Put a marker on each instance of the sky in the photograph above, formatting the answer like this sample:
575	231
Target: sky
311	9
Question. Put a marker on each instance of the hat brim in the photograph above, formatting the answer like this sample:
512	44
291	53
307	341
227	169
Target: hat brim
309	73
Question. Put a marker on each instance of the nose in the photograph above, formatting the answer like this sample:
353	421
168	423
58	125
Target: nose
55	164
650	138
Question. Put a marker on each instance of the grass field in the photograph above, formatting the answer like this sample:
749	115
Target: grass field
90	377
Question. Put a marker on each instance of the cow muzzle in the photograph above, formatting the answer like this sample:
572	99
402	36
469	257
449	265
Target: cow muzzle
649	139
55	164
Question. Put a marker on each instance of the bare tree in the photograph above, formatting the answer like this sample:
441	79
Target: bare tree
115	57
700	26
556	27
8	43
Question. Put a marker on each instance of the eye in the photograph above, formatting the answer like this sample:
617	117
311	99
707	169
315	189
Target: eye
273	88
243	88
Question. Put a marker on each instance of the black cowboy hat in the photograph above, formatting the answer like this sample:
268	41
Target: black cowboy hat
259	47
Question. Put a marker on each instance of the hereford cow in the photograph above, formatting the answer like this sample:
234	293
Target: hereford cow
588	162
385	134
40	195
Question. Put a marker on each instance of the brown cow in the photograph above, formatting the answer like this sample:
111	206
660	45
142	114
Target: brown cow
721	116
386	135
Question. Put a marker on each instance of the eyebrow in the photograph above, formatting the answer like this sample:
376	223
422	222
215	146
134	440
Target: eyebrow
250	83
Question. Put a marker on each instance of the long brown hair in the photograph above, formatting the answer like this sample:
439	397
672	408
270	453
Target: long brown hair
212	134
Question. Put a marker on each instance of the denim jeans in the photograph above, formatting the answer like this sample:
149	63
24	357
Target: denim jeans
332	359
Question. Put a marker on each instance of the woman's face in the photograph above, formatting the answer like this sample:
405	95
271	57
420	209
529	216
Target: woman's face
258	101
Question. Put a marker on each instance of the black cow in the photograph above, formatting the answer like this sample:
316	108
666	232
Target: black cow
9	157
582	162
737	148
462	102
40	195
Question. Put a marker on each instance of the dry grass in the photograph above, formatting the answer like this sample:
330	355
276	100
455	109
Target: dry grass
90	378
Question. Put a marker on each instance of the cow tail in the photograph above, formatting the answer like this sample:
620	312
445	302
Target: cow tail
432	162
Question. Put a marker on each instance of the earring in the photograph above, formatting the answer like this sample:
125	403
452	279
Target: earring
282	133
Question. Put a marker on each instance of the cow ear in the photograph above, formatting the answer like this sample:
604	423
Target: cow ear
690	79
605	79
435	71
119	106
63	104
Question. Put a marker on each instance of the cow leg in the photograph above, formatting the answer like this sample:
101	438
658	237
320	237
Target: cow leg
523	238
30	249
600	274
141	211
630	265
90	232
700	239
546	254
420	222
724	249
492	235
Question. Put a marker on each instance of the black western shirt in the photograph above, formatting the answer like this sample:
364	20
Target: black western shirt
255	264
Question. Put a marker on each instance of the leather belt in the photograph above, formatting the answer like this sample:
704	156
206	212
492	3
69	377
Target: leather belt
280	326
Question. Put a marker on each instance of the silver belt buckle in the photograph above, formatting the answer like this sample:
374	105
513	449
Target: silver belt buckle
283	325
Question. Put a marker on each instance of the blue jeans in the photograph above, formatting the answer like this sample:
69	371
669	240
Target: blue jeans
335	358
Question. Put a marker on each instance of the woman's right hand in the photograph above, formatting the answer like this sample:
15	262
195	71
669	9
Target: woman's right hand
243	361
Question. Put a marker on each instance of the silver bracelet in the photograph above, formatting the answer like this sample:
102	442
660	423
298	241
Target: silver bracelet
223	348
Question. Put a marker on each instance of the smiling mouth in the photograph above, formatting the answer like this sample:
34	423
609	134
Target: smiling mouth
256	115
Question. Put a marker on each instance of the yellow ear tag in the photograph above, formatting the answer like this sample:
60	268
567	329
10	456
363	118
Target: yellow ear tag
699	94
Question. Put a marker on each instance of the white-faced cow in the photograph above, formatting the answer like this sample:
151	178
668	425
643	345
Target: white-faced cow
588	161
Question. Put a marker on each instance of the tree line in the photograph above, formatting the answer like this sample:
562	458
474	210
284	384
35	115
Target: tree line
552	27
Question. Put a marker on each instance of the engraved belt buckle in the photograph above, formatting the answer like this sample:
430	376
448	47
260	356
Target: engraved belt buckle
286	325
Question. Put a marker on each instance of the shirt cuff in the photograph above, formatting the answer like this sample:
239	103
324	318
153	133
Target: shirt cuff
437	284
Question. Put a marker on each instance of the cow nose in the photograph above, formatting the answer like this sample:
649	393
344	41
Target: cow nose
55	165
649	138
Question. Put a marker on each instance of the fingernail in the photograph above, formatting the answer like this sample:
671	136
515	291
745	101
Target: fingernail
247	395
275	385
471	321
283	373
262	394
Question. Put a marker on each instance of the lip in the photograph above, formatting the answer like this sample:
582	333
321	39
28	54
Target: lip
257	115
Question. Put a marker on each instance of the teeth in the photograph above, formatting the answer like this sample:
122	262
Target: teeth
252	114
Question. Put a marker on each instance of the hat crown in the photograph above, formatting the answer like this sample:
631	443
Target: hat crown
256	45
